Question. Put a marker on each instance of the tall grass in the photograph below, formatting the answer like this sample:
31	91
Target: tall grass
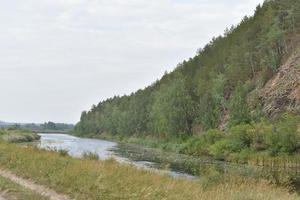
108	180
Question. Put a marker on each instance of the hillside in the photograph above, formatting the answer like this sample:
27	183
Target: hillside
282	92
248	74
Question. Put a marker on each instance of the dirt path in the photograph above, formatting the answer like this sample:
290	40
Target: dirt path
42	190
2	198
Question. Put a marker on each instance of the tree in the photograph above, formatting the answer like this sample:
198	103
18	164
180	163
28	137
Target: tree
239	111
172	111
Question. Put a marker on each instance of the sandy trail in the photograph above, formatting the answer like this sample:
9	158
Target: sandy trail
42	190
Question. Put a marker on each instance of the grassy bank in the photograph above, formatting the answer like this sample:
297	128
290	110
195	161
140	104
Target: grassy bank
107	180
18	135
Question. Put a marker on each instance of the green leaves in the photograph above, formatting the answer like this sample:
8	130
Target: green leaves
239	111
172	111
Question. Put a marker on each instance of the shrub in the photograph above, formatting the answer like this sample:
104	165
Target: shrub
195	146
242	156
213	136
221	149
285	138
258	135
239	137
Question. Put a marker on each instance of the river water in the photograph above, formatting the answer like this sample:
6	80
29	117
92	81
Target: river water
137	156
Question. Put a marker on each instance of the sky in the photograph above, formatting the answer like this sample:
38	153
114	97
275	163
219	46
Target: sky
58	57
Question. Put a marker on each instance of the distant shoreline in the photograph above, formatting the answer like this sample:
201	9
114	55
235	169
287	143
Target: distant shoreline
50	131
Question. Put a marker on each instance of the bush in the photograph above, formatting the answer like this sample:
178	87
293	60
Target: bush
240	137
196	147
258	135
242	156
242	141
285	138
213	136
221	149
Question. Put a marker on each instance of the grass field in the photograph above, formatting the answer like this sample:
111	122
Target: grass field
108	180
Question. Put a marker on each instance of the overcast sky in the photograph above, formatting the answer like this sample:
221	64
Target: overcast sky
58	57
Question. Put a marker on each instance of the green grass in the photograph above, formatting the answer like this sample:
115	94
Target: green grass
108	180
11	190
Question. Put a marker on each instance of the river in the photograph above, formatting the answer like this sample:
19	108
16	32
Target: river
130	154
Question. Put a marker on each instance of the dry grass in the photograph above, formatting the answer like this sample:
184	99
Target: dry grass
107	180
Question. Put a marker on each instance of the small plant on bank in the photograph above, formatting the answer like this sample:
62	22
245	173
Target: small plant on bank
90	156
63	152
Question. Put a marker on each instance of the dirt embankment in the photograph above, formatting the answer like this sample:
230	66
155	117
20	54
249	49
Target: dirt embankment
282	92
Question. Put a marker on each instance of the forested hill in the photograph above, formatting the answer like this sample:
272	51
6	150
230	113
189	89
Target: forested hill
249	73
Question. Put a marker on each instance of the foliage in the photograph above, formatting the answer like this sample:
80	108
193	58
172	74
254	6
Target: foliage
172	111
239	111
238	143
54	126
47	126
286	136
282	137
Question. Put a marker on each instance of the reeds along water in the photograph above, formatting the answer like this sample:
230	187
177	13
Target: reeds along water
286	165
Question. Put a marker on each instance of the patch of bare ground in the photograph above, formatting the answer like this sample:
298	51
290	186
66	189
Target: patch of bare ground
2	198
282	92
42	190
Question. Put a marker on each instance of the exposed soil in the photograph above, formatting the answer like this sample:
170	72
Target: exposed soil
42	190
2	198
282	92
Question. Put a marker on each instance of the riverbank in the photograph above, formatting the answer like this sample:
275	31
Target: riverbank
241	143
108	180
18	135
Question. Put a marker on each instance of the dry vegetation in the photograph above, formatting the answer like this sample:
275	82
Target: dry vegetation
90	179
